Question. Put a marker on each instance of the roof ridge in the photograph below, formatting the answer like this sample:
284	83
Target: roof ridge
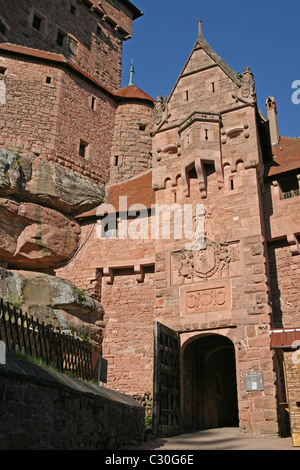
143	94
218	59
289	138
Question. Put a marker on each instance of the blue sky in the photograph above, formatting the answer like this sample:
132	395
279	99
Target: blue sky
261	34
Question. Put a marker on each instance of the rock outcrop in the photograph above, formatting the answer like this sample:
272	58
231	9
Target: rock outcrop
53	300
38	233
35	237
47	183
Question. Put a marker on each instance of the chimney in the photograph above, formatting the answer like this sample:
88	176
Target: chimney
273	122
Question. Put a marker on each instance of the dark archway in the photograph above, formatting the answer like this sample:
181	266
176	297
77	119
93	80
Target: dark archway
209	389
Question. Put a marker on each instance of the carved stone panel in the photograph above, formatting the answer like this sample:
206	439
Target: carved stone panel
212	297
213	260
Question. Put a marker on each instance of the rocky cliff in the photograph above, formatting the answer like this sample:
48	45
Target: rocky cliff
38	232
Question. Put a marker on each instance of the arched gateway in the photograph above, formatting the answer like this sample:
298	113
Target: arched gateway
208	384
195	384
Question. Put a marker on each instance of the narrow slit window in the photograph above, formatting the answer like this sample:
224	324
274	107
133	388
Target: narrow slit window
98	32
213	87
186	95
116	160
231	184
2	28
37	22
93	102
83	146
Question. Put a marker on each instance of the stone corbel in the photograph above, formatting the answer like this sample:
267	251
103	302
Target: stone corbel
201	177
139	272
184	179
108	273
294	245
276	191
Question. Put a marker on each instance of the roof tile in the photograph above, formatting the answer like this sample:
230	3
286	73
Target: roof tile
286	156
137	191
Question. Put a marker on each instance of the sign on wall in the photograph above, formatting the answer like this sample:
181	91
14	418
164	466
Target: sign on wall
254	381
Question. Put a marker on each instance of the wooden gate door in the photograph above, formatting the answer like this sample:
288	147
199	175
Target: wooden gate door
166	387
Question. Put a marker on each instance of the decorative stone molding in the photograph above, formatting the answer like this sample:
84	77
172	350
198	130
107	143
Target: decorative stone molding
210	297
137	265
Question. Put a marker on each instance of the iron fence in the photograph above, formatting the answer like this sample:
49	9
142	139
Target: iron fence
22	333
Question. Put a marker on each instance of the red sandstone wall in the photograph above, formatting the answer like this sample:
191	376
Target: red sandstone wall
128	344
28	117
98	52
132	141
50	119
78	121
282	233
284	282
127	303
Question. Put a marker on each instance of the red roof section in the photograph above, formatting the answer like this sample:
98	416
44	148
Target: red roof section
6	46
133	92
285	338
286	156
137	191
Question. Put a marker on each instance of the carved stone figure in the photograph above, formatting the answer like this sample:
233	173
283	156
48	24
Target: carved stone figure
248	85
158	110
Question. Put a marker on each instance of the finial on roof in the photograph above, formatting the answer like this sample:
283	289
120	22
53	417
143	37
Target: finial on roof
131	73
199	28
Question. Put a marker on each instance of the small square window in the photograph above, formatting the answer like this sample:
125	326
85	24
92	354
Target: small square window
83	147
60	38
48	79
37	22
73	9
2	70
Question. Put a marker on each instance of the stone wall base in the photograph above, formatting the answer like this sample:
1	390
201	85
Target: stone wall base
41	409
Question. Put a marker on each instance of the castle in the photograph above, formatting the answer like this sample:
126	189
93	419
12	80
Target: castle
209	331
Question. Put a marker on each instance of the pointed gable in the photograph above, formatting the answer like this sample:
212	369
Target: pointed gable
206	83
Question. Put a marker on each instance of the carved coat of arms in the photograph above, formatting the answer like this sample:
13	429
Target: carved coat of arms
212	259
